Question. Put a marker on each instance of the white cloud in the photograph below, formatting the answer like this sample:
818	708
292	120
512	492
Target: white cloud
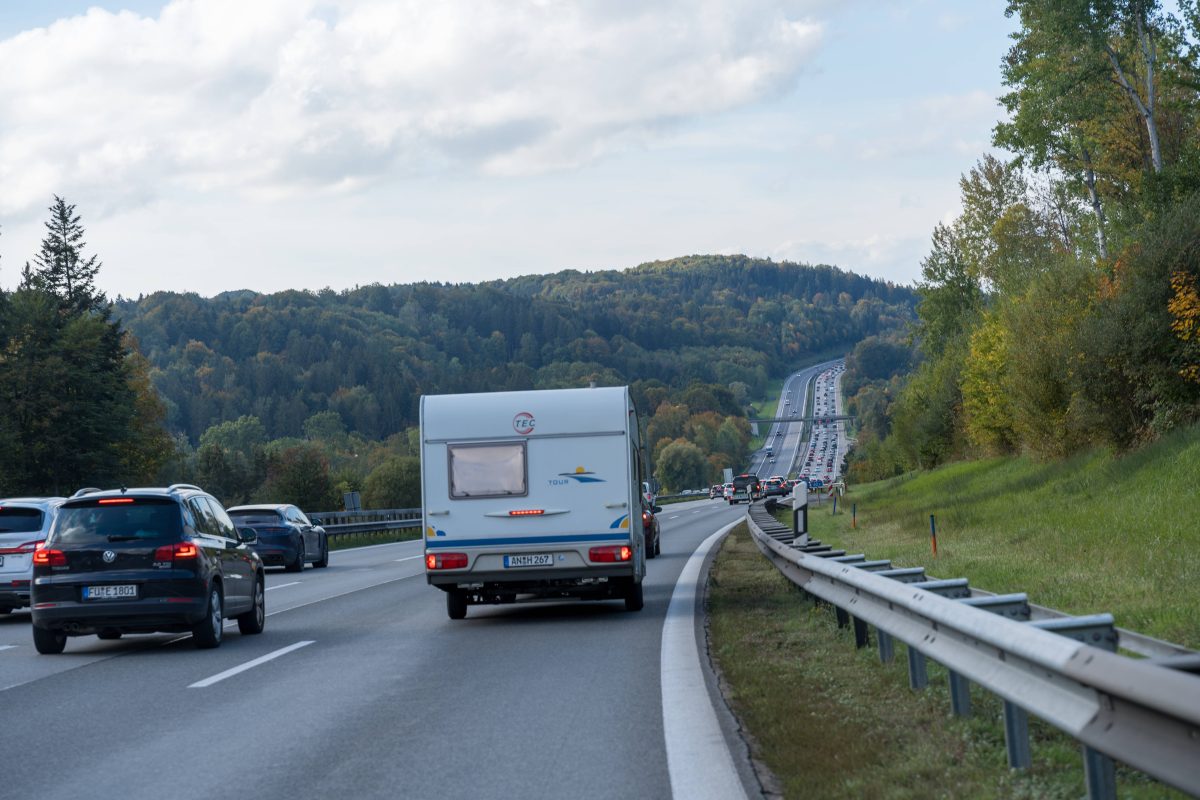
276	97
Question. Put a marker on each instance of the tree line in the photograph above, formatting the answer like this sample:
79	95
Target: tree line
300	396
1061	309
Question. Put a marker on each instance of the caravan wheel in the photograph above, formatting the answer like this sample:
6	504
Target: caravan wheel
633	597
456	605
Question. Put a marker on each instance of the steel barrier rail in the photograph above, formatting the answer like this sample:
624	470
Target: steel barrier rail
1135	711
349	528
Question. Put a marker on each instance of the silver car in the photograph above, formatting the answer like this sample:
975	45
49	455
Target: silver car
24	523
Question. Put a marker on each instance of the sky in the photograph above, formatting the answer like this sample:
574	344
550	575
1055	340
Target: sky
215	145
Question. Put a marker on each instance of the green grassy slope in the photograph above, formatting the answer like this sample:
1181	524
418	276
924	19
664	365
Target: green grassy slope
1094	533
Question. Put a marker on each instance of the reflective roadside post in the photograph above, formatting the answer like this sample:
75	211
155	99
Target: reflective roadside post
933	534
800	515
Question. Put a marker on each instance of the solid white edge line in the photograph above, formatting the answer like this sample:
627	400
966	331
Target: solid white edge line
698	758
407	558
8	646
281	585
229	673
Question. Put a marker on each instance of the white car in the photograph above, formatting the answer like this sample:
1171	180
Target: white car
24	523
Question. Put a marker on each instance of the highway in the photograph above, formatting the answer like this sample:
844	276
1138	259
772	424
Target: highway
361	687
789	449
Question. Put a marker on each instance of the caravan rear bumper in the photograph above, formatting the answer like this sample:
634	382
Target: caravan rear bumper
513	580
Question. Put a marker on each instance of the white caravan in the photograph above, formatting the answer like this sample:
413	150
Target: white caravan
529	495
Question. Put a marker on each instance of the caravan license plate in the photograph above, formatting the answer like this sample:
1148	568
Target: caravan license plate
532	560
109	592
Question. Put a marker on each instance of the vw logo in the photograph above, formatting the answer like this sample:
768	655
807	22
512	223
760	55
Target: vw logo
109	556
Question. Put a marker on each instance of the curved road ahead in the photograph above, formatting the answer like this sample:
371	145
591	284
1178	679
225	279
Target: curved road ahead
373	692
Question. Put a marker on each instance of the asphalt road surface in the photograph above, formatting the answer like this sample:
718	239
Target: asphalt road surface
361	687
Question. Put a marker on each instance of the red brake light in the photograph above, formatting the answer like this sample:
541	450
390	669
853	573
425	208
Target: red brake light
610	553
179	551
445	560
45	557
646	516
527	512
114	501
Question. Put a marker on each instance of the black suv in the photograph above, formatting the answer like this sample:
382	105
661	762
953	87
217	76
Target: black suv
145	560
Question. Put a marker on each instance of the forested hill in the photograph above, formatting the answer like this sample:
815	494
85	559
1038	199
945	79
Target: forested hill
369	353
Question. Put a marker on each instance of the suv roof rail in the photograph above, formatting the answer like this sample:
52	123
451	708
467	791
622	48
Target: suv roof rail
177	486
85	490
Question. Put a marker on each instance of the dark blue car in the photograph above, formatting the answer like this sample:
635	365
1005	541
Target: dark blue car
286	538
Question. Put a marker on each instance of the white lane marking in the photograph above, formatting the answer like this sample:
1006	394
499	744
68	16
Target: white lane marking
698	511
229	673
280	586
8	646
698	759
407	558
673	516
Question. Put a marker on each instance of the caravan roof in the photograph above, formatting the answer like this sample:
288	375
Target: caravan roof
531	414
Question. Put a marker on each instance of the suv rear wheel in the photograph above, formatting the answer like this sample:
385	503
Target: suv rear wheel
48	642
207	632
254	620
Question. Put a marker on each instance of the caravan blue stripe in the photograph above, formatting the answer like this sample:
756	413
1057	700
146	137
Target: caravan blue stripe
589	537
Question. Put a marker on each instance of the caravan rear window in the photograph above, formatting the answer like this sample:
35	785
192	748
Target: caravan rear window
487	470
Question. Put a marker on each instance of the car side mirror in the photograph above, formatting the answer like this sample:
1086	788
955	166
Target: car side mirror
248	535
656	509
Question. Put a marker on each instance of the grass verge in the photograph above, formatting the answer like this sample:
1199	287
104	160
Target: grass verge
348	541
830	721
1091	534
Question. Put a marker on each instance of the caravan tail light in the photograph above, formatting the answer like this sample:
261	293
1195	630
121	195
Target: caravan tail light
610	553
445	560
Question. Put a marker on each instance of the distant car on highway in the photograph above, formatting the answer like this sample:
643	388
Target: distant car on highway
286	537
651	530
715	491
24	523
141	561
773	487
727	491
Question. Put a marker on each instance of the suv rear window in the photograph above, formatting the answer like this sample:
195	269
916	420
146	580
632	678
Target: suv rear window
20	520
131	519
250	518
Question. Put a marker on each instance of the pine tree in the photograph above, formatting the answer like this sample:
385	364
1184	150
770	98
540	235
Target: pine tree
60	267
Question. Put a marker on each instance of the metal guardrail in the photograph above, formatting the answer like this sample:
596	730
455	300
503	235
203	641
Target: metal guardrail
1145	713
345	523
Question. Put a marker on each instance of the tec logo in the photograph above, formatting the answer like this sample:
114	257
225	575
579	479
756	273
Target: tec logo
523	423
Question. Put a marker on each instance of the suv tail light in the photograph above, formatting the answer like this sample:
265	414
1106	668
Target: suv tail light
20	550
611	553
445	560
180	551
46	557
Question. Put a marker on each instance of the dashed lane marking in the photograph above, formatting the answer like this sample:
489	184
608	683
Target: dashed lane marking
229	673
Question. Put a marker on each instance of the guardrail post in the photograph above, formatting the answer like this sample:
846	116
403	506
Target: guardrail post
960	695
843	619
1100	775
861	637
887	649
1016	736
918	677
